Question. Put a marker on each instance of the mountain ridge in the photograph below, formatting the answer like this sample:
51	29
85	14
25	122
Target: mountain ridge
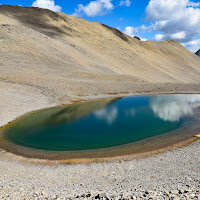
54	50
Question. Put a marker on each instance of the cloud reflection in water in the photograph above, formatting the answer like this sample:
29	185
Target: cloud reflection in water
174	107
109	115
130	112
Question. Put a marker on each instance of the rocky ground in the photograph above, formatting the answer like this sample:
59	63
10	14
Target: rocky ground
49	59
170	175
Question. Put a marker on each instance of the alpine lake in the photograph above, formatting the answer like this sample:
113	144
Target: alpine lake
104	128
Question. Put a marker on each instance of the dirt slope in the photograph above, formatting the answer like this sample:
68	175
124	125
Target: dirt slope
61	42
69	58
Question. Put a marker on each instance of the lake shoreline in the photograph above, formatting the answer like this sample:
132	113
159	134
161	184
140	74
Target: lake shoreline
154	173
115	151
179	137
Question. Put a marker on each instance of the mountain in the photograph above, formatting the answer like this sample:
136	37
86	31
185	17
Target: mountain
65	56
198	53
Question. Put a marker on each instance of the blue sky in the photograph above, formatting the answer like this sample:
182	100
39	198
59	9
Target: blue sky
149	19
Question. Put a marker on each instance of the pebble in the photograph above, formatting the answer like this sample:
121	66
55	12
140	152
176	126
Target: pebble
177	177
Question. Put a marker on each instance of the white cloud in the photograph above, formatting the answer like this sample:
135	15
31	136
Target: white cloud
179	35
126	3
193	4
159	37
94	8
175	19
161	9
193	45
49	4
143	39
130	30
144	28
173	108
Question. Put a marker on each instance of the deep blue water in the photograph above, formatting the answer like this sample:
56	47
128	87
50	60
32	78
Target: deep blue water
103	123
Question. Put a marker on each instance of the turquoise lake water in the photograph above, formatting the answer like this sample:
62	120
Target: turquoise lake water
102	123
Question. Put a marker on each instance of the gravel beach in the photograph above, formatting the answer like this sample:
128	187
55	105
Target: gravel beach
170	175
174	174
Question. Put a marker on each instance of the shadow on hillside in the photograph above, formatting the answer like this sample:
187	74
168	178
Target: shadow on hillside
116	32
35	19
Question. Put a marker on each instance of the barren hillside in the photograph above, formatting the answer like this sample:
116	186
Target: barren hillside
49	59
58	44
65	58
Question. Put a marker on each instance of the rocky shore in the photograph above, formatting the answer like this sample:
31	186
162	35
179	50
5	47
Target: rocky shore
184	194
49	59
171	175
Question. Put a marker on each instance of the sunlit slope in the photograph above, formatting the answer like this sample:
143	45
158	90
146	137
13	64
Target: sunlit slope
47	49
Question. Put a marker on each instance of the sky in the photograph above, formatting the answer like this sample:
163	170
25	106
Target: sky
149	19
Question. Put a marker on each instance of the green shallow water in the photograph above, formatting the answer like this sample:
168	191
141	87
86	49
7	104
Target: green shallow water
103	123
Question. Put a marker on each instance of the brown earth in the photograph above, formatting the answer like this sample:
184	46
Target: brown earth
49	58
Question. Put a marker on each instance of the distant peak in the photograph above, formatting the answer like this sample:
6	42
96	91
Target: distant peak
198	53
